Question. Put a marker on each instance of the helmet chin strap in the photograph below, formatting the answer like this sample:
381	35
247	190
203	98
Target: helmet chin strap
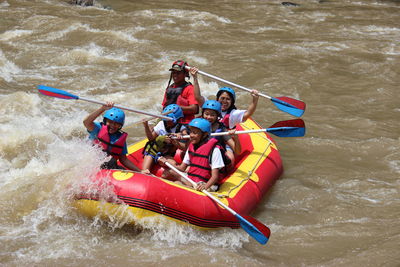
169	82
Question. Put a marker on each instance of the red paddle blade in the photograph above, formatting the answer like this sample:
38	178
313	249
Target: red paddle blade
290	105
260	226
54	92
289	123
290	128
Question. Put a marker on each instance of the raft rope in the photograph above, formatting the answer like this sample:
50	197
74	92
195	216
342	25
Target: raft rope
250	172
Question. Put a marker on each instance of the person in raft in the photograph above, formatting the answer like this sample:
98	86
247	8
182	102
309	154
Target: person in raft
160	138
211	111
181	92
108	135
203	157
227	97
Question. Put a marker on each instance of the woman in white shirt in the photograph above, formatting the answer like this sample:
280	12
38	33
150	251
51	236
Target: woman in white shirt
227	97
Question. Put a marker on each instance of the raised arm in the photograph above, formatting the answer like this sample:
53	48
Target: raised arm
197	93
253	105
88	122
150	134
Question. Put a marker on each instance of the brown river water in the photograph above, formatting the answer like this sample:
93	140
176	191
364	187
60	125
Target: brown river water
338	201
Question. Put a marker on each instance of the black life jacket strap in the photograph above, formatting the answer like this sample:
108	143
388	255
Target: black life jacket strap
201	167
198	176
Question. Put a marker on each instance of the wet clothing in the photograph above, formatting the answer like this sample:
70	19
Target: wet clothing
113	137
99	130
116	147
112	164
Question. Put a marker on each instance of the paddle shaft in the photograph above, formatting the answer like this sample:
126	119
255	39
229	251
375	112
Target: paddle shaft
227	133
146	119
58	93
228	82
126	108
254	228
204	191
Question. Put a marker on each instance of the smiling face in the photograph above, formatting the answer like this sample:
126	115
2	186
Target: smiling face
113	126
178	77
196	135
225	100
210	115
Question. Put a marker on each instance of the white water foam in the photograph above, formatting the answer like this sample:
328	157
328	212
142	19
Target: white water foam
90	54
7	68
13	34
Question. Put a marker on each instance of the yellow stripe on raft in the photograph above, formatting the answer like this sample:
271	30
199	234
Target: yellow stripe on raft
260	142
137	146
239	178
122	213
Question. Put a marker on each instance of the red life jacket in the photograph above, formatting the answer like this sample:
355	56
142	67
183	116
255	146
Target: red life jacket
103	139
225	120
200	168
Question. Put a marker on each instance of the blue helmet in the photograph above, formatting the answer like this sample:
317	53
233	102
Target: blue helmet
212	104
203	124
229	90
115	114
175	112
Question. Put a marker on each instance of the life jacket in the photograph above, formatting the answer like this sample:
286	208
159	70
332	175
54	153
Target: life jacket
172	94
222	146
158	147
225	120
200	168
103	139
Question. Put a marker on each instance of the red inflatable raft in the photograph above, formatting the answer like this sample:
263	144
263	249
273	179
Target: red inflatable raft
139	196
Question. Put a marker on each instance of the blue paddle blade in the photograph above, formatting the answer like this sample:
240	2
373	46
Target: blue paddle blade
289	128
287	131
289	105
54	92
255	229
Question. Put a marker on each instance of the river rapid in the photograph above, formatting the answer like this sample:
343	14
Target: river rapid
337	203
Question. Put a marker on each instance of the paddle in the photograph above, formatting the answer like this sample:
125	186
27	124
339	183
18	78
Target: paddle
254	228
290	128
289	105
54	92
145	119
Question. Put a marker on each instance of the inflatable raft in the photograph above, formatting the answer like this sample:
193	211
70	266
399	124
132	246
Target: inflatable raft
139	196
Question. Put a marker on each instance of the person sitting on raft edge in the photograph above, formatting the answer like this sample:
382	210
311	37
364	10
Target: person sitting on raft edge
160	142
109	137
203	157
227	97
181	92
